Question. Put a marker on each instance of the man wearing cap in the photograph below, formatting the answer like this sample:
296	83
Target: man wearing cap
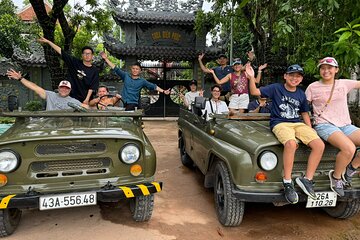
288	103
189	97
54	101
220	71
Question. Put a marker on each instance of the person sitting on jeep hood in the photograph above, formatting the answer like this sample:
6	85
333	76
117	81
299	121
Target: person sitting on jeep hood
54	101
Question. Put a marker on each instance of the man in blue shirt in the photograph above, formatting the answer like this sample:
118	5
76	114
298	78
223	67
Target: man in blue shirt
220	71
132	84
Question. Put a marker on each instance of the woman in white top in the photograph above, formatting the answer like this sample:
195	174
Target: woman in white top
215	105
189	97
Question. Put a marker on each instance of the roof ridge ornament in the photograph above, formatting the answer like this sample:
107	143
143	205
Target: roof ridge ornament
133	6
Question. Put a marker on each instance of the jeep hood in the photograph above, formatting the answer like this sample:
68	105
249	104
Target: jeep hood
249	135
69	128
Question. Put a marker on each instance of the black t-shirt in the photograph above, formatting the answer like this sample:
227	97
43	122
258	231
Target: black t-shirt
82	77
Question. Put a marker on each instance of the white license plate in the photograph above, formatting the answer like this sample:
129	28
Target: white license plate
323	199
67	200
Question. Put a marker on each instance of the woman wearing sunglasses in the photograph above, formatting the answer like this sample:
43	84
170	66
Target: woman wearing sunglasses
332	121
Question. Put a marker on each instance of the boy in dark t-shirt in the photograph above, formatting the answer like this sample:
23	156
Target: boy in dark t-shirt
84	76
288	103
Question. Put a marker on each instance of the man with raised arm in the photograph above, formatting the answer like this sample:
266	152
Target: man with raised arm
133	84
82	74
54	101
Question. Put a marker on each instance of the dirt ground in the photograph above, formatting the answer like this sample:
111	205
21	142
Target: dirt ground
183	210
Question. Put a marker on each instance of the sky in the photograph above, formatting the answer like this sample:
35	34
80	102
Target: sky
19	4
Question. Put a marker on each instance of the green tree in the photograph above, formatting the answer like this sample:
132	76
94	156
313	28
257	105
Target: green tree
282	32
11	28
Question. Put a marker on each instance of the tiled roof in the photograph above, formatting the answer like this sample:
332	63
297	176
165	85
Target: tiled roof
6	64
27	13
34	58
160	53
166	18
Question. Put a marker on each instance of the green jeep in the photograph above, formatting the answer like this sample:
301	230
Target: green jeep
242	160
62	159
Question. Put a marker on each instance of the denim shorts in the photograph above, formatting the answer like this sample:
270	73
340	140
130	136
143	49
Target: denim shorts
324	130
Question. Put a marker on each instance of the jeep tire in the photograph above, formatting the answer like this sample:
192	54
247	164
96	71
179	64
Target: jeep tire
229	209
9	220
345	209
185	158
141	207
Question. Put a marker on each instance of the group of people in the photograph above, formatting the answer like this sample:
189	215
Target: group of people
232	82
331	123
328	96
83	80
290	120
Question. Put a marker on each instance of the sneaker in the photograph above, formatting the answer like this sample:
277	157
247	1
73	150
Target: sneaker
347	176
307	186
336	185
290	195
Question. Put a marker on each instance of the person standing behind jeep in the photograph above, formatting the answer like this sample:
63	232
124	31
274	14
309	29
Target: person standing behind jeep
133	84
54	101
190	96
220	71
83	76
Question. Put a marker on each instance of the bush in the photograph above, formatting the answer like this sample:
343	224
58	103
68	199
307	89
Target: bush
7	120
33	106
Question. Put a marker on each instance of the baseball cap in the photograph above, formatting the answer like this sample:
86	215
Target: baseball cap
65	84
295	69
238	61
222	55
329	61
193	82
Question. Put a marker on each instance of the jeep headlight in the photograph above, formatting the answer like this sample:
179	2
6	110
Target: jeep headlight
268	160
9	160
130	153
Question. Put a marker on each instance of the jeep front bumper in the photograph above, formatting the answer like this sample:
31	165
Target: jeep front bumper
105	194
279	196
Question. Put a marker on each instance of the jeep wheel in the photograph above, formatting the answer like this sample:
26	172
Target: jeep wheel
229	209
9	220
345	209
185	158
141	207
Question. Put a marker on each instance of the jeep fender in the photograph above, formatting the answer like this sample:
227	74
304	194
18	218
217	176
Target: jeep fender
237	160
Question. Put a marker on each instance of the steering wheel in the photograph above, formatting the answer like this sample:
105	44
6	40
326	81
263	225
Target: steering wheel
99	104
77	107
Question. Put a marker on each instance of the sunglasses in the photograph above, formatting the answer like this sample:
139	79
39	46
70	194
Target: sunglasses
215	90
328	60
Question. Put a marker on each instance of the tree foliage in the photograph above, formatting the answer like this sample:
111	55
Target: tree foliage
11	28
290	31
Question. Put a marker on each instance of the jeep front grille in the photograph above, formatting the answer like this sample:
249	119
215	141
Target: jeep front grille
323	166
70	148
63	168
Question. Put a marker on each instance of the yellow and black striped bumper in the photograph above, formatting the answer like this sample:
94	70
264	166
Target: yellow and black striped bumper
105	194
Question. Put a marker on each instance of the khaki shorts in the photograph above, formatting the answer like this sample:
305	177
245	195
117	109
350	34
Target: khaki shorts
292	131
